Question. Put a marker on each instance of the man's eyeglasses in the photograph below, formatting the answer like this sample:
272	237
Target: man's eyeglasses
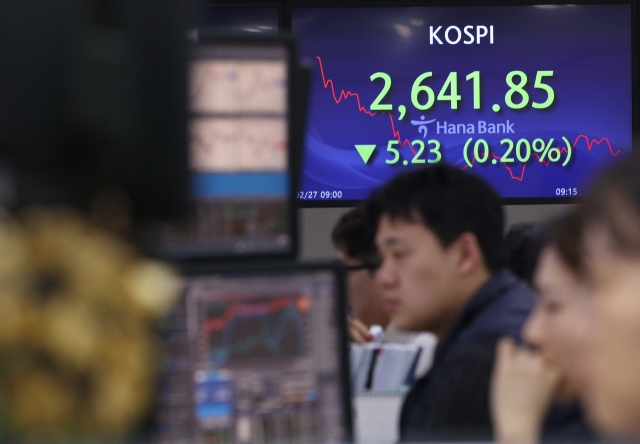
371	267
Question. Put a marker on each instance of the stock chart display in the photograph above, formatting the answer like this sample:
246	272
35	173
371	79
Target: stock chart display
268	364
535	99
238	154
250	101
238	130
256	329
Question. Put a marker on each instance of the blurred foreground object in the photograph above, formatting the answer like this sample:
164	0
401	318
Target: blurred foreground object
77	344
94	102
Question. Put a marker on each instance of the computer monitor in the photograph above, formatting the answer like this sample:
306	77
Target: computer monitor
241	143
258	355
535	97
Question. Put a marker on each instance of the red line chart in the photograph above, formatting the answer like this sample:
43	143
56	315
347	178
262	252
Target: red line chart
346	94
234	310
343	94
396	133
589	142
598	142
239	326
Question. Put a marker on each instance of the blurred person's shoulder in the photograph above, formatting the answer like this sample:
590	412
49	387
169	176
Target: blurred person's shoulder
498	309
451	401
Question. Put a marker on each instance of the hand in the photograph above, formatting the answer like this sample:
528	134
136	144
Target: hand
522	388
358	332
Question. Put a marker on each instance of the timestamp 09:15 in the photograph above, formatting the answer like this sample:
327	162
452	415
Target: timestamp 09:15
320	195
566	191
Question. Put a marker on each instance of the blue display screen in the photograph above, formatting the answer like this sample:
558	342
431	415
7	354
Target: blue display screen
534	99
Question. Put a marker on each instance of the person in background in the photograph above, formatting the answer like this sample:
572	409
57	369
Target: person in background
611	244
357	251
523	243
439	231
526	382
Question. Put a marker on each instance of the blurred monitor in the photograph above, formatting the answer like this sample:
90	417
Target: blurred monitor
258	356
240	150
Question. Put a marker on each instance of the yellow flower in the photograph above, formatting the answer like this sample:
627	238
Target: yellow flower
77	345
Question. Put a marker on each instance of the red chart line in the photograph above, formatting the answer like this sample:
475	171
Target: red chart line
589	143
396	133
346	94
238	309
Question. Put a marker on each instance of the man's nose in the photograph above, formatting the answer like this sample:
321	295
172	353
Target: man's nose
386	275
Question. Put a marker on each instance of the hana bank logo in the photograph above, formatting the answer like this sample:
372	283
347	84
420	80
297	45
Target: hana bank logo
422	125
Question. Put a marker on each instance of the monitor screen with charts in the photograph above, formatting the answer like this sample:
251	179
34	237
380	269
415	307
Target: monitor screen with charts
258	356
537	99
240	153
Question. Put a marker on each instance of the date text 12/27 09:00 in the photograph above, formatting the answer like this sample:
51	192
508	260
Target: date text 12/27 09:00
320	195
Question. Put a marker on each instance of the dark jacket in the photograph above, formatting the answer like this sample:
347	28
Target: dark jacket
565	423
451	402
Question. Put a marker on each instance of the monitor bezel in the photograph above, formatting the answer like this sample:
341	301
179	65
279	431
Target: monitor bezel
251	4
560	200
261	268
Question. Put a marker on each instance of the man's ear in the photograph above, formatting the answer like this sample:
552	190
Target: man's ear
469	254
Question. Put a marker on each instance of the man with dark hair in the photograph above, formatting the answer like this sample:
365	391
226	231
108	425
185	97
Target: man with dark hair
358	253
439	232
524	242
353	238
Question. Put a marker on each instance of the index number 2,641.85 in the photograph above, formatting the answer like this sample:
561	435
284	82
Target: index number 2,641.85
423	97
